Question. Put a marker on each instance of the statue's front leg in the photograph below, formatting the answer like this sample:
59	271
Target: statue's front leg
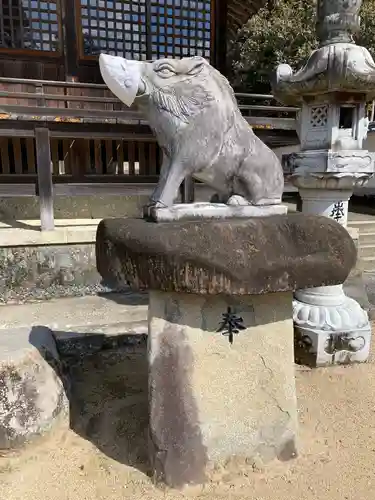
171	176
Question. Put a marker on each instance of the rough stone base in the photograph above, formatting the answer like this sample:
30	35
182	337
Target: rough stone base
210	400
32	394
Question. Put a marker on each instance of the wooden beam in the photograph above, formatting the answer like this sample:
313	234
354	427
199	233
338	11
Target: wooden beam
45	185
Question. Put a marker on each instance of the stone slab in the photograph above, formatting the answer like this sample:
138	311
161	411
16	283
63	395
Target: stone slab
211	401
197	211
240	257
75	314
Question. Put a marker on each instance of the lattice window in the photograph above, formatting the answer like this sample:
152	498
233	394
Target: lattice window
117	28
180	28
319	116
30	24
146	29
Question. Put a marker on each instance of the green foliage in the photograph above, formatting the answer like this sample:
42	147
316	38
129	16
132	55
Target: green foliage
283	34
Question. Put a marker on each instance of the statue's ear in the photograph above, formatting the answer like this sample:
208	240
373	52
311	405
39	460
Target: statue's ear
182	101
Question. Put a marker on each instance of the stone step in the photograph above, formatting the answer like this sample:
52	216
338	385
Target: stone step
367	239
364	226
367	264
69	313
366	251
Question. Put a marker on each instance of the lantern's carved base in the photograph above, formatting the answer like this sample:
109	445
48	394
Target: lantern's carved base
330	328
212	400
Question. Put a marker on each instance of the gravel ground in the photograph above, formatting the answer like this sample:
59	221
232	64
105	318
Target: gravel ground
102	454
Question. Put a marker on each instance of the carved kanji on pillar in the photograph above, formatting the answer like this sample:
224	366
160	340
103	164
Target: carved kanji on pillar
338	211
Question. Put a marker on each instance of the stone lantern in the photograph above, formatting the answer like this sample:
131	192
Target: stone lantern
332	90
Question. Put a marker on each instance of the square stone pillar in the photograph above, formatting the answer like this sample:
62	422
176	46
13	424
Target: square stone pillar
211	399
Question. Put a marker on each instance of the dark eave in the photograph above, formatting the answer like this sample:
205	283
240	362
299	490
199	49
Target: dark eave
239	12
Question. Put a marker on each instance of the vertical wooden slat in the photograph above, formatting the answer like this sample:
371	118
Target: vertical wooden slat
55	156
109	160
30	153
45	186
131	157
83	150
143	166
66	156
120	157
17	154
98	156
153	162
4	150
75	152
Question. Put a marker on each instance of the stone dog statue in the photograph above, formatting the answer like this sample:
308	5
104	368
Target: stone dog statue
193	112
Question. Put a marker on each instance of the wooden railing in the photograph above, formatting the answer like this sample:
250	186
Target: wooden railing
54	101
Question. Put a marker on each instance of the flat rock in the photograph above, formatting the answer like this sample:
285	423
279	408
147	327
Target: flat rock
239	257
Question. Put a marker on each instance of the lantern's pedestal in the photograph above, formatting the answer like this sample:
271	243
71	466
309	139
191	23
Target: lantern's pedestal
330	328
211	400
220	355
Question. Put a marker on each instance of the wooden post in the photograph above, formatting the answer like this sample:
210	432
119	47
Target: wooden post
187	190
45	186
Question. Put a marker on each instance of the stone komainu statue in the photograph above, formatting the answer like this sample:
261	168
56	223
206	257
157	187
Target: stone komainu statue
193	112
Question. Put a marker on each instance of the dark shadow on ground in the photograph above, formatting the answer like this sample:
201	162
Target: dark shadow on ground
108	404
107	394
126	297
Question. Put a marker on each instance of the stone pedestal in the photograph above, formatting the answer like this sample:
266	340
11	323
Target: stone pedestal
210	399
221	371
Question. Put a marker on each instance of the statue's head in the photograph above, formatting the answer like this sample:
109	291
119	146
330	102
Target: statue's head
178	86
128	79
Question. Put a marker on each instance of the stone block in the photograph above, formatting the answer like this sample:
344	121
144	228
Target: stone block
212	401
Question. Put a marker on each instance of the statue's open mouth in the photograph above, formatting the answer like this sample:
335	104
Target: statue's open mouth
122	77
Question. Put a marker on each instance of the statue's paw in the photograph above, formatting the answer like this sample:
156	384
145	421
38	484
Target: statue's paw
236	199
147	209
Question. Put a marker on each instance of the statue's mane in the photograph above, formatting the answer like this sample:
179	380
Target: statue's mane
182	105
